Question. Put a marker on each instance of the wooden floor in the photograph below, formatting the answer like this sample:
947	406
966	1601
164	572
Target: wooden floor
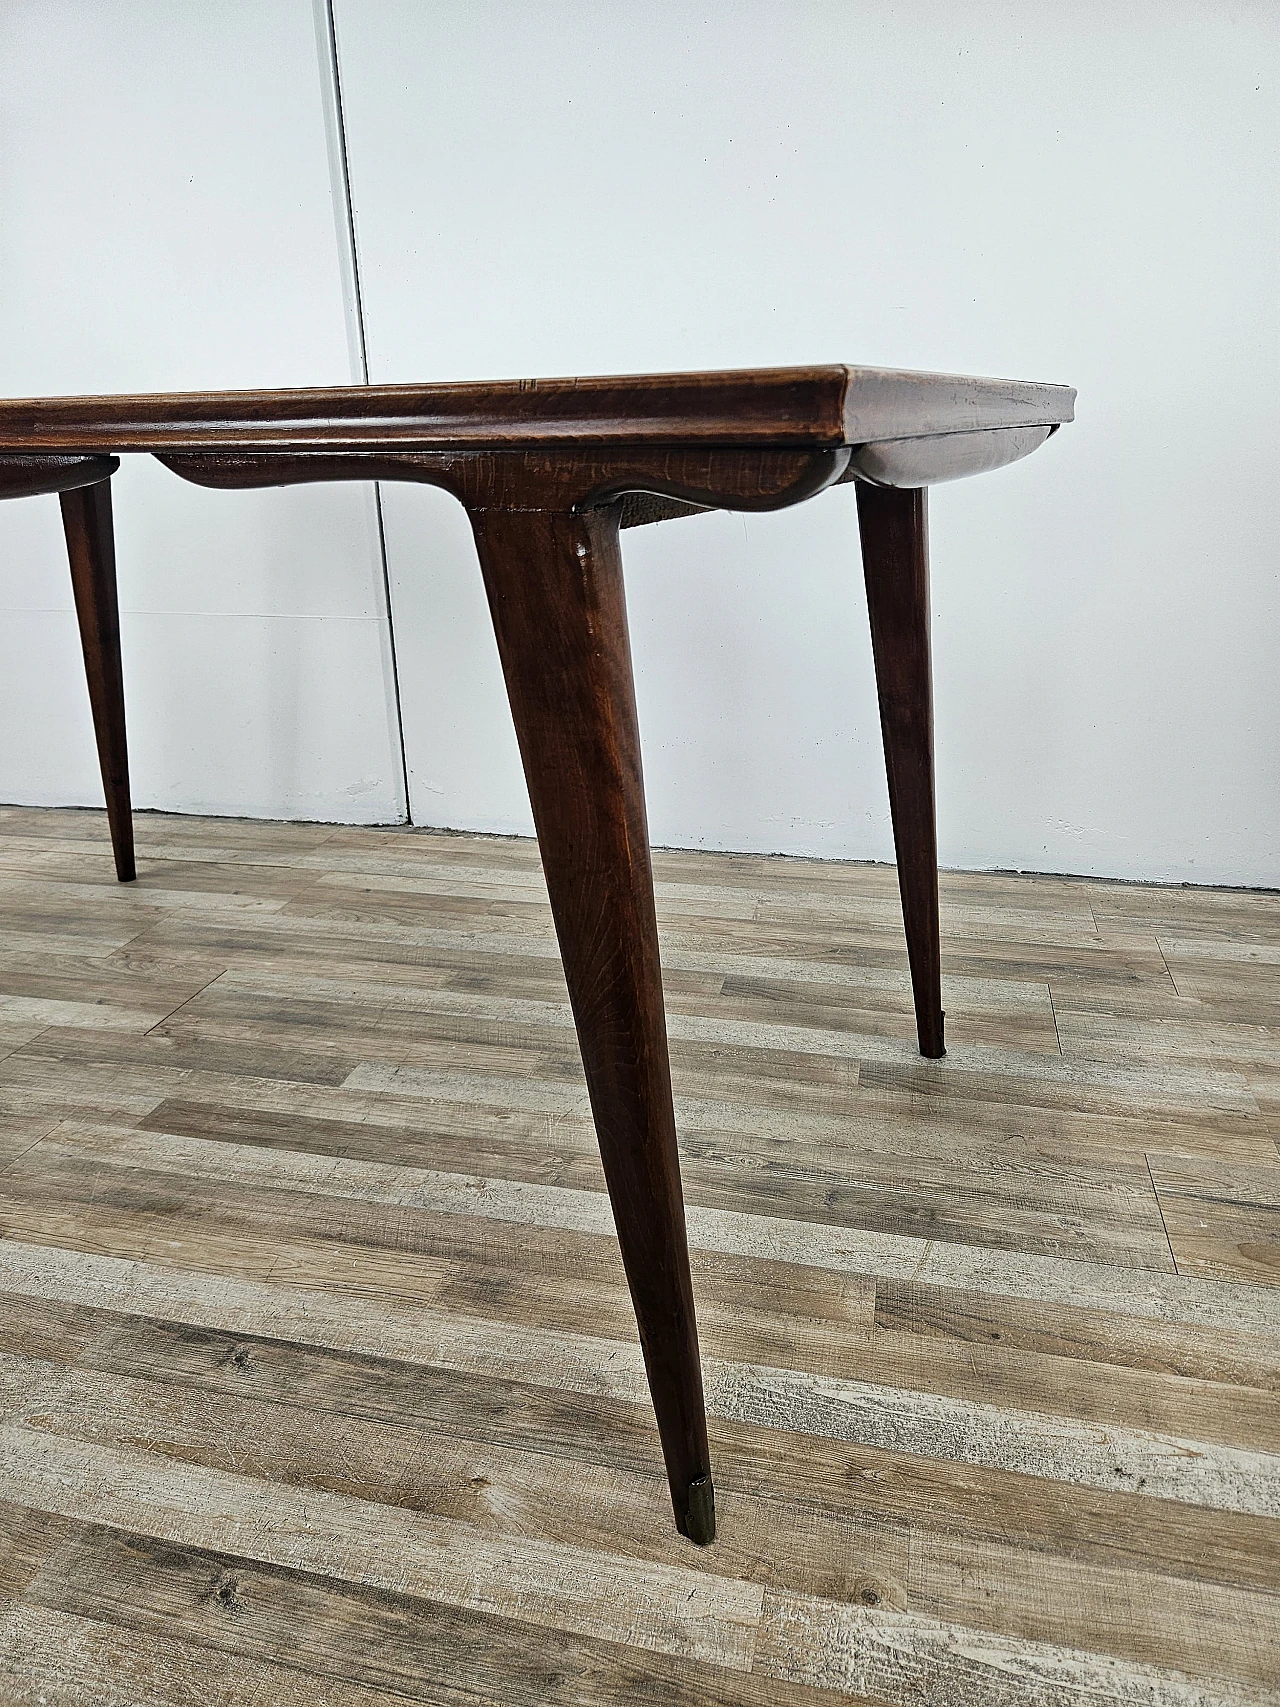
319	1378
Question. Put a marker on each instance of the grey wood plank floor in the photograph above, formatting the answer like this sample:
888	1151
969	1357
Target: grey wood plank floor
318	1375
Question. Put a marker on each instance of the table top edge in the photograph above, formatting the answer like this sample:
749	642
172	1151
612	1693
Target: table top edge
816	406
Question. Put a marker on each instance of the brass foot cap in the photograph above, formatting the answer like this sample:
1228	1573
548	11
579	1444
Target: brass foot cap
700	1512
932	1053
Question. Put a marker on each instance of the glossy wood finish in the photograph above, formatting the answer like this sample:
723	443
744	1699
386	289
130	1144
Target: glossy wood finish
554	583
30	476
86	520
549	470
820	406
544	480
940	457
893	526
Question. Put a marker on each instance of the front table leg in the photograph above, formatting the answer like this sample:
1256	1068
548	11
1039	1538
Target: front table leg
893	524
554	581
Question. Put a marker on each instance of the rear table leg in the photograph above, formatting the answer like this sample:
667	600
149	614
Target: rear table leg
893	523
86	520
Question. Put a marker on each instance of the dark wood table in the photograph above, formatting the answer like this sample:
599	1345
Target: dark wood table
549	472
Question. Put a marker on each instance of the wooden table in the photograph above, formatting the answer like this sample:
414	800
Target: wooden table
549	472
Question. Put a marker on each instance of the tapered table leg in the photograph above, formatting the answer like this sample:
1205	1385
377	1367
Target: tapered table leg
86	520
554	582
893	523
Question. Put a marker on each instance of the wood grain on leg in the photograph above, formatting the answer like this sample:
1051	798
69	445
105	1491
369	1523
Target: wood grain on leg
893	524
554	581
86	519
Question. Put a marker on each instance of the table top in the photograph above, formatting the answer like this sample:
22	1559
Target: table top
813	407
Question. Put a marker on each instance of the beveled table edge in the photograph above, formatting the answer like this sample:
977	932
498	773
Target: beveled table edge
804	406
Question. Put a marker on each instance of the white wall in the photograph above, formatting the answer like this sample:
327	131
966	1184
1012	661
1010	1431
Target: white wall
1074	191
166	223
1077	192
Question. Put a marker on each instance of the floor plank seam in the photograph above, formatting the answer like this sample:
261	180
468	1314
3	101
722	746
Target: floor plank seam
1053	1011
1172	979
182	1004
1173	1255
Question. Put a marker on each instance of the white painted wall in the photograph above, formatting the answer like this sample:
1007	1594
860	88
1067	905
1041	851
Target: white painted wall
166	223
1077	192
1080	192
